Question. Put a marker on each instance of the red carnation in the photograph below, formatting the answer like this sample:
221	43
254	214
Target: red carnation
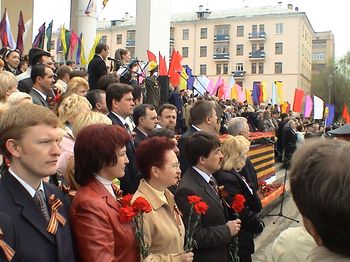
126	214
200	208
141	205
238	203
194	199
125	201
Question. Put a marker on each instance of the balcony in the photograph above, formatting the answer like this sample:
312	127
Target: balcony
221	38
222	56
257	36
130	42
239	74
257	55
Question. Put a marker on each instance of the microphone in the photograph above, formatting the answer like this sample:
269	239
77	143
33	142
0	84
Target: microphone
269	140
113	59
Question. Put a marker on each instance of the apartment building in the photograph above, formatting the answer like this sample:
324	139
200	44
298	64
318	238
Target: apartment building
271	43
322	50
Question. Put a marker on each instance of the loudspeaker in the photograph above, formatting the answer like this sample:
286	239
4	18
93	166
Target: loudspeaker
163	82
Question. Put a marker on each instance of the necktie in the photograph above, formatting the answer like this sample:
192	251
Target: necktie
127	128
40	201
213	184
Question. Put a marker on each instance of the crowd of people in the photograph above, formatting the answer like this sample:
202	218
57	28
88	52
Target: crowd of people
75	144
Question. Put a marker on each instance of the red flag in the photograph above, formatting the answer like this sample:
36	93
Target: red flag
175	68
151	56
261	94
162	66
298	100
345	114
74	39
21	30
3	30
221	90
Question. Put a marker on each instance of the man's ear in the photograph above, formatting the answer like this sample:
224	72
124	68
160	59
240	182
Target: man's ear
13	147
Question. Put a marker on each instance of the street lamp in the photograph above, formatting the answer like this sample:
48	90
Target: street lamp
331	83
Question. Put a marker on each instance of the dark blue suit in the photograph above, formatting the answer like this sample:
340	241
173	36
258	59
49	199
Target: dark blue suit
37	245
181	145
97	68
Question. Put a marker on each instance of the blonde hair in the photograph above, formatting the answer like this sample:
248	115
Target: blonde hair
71	106
7	81
75	83
17	97
234	149
88	118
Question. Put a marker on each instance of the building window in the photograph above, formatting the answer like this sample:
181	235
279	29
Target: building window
240	30
261	28
278	68
221	48
253	68
278	48
254	47
185	52
318	45
204	33
119	39
261	68
222	30
203	69
279	28
104	39
218	69
318	56
225	69
239	49
185	34
261	46
203	51
239	67
254	29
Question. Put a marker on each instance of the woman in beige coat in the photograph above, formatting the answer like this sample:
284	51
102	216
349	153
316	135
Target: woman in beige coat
163	227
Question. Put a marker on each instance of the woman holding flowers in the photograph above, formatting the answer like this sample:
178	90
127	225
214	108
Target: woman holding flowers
163	229
100	157
231	184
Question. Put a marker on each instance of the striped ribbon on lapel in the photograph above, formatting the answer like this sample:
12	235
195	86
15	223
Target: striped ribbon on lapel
56	217
8	251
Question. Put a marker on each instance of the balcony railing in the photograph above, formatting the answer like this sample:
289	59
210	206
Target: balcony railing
238	74
257	55
218	38
257	36
130	42
222	56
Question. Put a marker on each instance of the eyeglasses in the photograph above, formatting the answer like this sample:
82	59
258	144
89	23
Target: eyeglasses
175	165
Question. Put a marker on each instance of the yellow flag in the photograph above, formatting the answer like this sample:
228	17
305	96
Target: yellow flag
279	87
183	80
92	51
82	52
234	93
63	39
263	87
249	96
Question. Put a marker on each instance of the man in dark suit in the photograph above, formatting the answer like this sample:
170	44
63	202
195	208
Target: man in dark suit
145	119
203	118
97	66
120	104
213	232
42	77
9	236
29	138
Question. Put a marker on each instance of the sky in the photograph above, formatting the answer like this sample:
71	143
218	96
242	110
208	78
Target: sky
323	15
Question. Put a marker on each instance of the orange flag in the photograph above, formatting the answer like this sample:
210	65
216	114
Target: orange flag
345	114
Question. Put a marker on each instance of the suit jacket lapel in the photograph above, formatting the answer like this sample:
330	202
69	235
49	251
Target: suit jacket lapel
207	188
103	193
30	210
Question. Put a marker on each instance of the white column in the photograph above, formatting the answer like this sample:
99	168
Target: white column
80	22
152	27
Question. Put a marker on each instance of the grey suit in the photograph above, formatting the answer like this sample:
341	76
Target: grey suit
38	99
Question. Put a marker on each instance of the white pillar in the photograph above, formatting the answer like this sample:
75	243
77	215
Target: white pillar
152	27
80	22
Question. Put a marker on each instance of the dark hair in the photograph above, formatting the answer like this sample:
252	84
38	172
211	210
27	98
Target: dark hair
200	144
76	73
62	70
140	111
166	106
94	97
100	47
320	182
104	81
200	111
299	128
70	62
161	132
116	91
137	93
38	70
151	152
95	147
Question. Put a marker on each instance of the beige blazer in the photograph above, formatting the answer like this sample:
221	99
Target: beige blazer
163	227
